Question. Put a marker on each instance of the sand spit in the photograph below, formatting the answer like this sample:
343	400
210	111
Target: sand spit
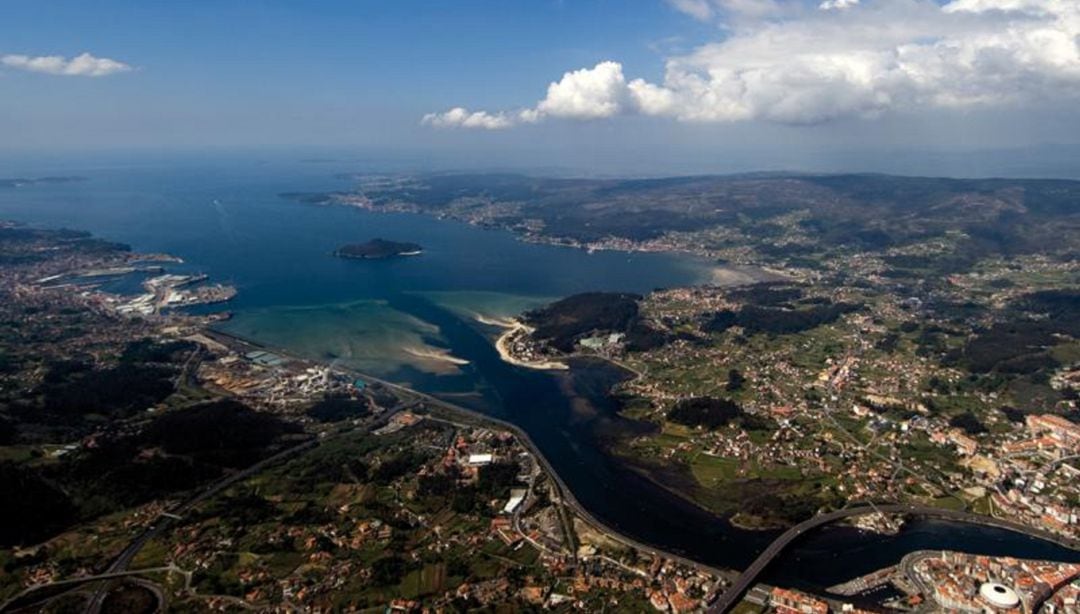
502	344
434	354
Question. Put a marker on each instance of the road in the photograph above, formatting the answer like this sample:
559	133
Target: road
907	568
562	489
744	581
163	523
85	580
734	593
1040	606
120	564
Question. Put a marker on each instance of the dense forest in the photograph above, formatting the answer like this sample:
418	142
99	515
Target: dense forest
709	412
335	408
175	452
75	392
1022	341
755	318
564	322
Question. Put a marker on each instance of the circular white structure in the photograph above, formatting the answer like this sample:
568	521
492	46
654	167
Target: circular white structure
999	596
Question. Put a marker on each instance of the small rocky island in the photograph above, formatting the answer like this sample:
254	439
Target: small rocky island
378	249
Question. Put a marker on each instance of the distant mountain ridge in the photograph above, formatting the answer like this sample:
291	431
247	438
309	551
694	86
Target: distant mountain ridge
781	213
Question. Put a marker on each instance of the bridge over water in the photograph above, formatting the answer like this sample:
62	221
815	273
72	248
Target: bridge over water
749	577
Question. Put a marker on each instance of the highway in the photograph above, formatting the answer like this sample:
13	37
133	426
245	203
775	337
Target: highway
723	604
731	597
164	522
748	578
563	490
124	559
84	580
907	568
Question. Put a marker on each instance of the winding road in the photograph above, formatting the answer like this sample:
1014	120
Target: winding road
164	522
124	559
725	603
748	578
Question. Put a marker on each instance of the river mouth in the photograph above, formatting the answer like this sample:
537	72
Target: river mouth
413	320
575	422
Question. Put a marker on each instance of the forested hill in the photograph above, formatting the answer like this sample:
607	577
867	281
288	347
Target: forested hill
854	211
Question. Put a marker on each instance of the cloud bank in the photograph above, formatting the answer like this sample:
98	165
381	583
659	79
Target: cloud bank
84	65
794	63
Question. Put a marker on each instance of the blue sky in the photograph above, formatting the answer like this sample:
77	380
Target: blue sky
673	79
374	63
363	50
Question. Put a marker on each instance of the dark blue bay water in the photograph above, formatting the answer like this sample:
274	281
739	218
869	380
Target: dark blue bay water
415	320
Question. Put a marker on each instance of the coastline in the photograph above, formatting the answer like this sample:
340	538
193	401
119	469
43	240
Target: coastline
507	338
722	274
440	404
514	327
502	345
727	575
736	519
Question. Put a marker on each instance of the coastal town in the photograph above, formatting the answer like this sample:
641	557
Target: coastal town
855	404
569	307
767	403
466	511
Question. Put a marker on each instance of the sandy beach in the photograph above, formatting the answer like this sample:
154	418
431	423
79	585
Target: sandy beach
502	344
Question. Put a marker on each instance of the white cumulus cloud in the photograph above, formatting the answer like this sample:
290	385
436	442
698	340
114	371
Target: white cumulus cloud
84	65
698	9
706	10
1037	6
589	93
830	5
460	117
781	63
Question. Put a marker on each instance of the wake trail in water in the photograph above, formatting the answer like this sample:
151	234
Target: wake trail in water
224	220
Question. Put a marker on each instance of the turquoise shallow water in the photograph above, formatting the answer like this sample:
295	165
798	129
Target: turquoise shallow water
415	320
228	220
